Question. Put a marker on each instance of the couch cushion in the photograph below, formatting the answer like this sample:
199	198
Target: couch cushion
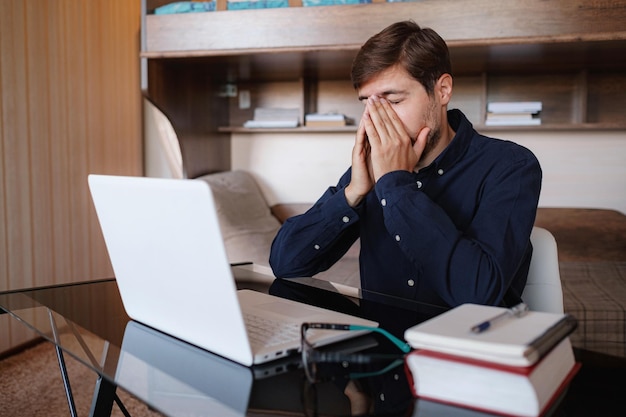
585	234
592	262
595	293
247	224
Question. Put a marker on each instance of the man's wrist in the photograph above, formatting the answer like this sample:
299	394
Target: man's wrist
352	199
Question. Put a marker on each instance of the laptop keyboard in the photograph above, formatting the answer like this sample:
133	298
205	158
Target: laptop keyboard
266	332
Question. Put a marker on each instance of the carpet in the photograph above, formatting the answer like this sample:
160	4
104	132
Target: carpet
31	386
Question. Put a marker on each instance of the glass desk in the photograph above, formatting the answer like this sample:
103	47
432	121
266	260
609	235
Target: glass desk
88	322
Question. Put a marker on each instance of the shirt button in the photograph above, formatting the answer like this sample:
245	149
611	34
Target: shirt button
397	238
411	282
440	172
345	219
317	247
383	202
419	184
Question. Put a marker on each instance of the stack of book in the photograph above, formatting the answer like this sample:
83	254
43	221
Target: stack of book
255	4
186	7
514	113
312	3
518	366
327	120
274	117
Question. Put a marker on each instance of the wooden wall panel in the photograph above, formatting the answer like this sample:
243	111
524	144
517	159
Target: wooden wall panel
70	105
16	198
36	134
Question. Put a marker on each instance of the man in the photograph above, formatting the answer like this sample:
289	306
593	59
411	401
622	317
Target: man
443	213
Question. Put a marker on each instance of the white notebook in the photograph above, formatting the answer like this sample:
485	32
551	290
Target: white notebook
517	341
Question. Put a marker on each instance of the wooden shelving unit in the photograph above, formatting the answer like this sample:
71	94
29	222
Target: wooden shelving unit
569	56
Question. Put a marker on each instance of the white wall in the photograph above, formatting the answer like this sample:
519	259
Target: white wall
292	168
581	168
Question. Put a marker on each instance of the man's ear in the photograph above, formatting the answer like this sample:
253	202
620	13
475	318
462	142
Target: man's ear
444	88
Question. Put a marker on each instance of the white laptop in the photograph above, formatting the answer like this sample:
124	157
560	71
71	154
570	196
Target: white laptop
172	270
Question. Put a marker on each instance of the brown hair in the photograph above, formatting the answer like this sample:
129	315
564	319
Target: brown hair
421	52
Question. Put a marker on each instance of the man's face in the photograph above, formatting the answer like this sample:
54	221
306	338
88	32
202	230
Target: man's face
409	99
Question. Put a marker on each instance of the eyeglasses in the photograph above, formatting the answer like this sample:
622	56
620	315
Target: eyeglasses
314	360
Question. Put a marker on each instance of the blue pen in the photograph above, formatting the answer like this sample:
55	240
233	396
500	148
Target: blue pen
515	311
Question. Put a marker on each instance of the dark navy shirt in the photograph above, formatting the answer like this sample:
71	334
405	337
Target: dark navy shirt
457	231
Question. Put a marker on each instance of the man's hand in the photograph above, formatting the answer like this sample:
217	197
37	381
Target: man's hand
382	145
362	179
391	147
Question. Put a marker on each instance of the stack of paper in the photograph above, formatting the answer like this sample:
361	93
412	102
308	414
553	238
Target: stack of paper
518	366
327	120
274	117
514	113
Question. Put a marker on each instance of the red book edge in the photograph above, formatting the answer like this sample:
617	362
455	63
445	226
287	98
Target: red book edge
521	370
547	406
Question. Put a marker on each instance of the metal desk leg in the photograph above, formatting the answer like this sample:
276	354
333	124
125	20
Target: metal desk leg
61	360
104	393
103	397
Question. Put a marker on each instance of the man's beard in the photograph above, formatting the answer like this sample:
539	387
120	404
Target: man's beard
432	140
434	136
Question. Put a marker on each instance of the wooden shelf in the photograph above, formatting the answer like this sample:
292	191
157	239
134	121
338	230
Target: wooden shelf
553	127
569	56
301	129
462	23
479	127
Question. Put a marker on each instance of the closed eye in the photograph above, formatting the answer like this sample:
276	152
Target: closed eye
395	98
